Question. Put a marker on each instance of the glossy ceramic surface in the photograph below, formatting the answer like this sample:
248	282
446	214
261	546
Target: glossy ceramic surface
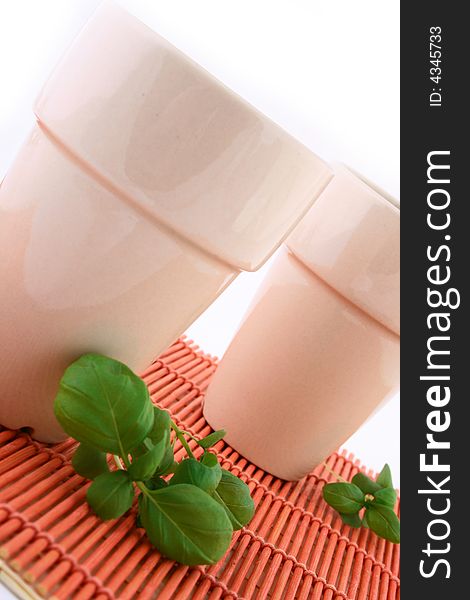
351	239
82	271
304	371
143	191
178	142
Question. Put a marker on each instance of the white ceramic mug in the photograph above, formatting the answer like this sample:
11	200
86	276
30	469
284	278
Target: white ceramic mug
318	350
144	189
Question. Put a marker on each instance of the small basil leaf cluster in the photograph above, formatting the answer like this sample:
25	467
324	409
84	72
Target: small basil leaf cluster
188	509
377	498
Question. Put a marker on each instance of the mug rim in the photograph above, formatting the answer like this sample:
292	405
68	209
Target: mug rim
158	38
381	194
272	177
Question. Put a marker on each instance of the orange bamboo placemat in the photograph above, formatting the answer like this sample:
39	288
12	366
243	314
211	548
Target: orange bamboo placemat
296	547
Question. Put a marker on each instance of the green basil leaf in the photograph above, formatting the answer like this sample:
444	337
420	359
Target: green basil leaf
111	494
364	520
171	468
353	520
89	462
212	438
104	404
344	497
161	425
234	496
145	446
143	467
209	459
155	483
365	484
168	463
196	473
384	522
186	524
384	478
386	497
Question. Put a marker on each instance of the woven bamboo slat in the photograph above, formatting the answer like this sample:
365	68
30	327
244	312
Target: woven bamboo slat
296	547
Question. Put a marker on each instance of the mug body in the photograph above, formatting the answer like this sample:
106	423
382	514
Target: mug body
84	271
305	370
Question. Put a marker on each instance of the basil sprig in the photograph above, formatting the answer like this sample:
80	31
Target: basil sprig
376	498
188	509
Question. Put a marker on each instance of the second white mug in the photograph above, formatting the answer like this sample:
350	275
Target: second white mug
318	350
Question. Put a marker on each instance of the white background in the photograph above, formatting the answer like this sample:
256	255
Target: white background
327	71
